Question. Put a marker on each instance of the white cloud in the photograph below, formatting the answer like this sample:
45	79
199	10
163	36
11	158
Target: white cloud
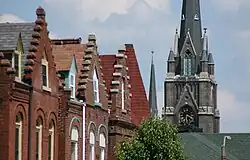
231	5
10	18
234	113
96	9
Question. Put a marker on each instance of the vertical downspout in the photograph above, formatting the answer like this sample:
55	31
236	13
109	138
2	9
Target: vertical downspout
29	123
83	130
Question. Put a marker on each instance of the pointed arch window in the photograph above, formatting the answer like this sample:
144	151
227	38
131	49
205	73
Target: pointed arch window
51	141
102	146
74	144
18	137
92	146
96	87
39	127
187	63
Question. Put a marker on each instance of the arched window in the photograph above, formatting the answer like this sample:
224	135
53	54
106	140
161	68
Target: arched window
18	137
188	63
102	146
92	146
39	131
95	87
51	147
74	144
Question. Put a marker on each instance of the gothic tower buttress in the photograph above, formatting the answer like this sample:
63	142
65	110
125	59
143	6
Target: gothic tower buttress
190	88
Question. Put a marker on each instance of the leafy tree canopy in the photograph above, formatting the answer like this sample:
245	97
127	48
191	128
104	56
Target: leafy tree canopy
155	139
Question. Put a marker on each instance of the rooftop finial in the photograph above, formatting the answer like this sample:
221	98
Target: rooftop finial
152	53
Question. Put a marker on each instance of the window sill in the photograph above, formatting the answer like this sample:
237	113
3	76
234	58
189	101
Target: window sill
124	111
46	89
97	104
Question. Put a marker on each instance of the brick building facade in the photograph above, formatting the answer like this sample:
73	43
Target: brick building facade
61	99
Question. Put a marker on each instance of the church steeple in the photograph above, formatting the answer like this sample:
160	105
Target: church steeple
191	21
152	90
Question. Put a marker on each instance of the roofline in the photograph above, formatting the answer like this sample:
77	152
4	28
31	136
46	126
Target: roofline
63	41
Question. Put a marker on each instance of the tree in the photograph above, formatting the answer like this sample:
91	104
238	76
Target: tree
155	139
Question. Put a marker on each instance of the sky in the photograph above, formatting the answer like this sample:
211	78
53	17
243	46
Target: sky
150	25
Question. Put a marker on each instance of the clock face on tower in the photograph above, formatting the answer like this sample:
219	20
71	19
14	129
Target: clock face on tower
186	116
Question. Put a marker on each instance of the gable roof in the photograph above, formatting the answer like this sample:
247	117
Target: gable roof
63	53
139	101
199	146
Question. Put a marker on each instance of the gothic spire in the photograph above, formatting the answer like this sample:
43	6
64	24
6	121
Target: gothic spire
191	20
152	90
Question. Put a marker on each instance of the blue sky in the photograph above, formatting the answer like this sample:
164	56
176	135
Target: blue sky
150	25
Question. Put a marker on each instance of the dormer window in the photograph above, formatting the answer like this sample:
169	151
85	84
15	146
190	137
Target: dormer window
15	60
72	85
95	87
196	18
45	73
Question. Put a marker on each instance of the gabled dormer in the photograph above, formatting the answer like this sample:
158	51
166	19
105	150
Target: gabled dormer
13	51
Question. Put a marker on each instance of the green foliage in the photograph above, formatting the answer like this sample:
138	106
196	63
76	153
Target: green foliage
155	139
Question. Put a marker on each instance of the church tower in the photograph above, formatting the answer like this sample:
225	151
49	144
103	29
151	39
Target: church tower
190	88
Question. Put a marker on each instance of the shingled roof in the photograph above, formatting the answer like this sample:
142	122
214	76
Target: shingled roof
9	33
64	50
199	146
139	102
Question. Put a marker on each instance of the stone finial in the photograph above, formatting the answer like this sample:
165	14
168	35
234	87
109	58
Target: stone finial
40	12
122	48
92	37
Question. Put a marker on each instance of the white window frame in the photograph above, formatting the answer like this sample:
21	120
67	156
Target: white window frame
123	95
102	145
45	63
39	129
19	126
72	86
19	62
52	145
92	146
96	87
74	140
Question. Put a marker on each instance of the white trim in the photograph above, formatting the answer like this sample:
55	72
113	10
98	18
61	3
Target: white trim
74	140
19	126
118	66
117	74
73	91
52	145
96	87
119	55
92	145
39	129
123	95
45	63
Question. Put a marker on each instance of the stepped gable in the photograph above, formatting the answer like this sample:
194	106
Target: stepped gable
139	103
107	63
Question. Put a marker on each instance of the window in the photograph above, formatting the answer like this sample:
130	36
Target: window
39	127
123	95
102	146
74	144
51	141
187	64
45	71
15	60
18	137
72	85
92	146
95	87
196	18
